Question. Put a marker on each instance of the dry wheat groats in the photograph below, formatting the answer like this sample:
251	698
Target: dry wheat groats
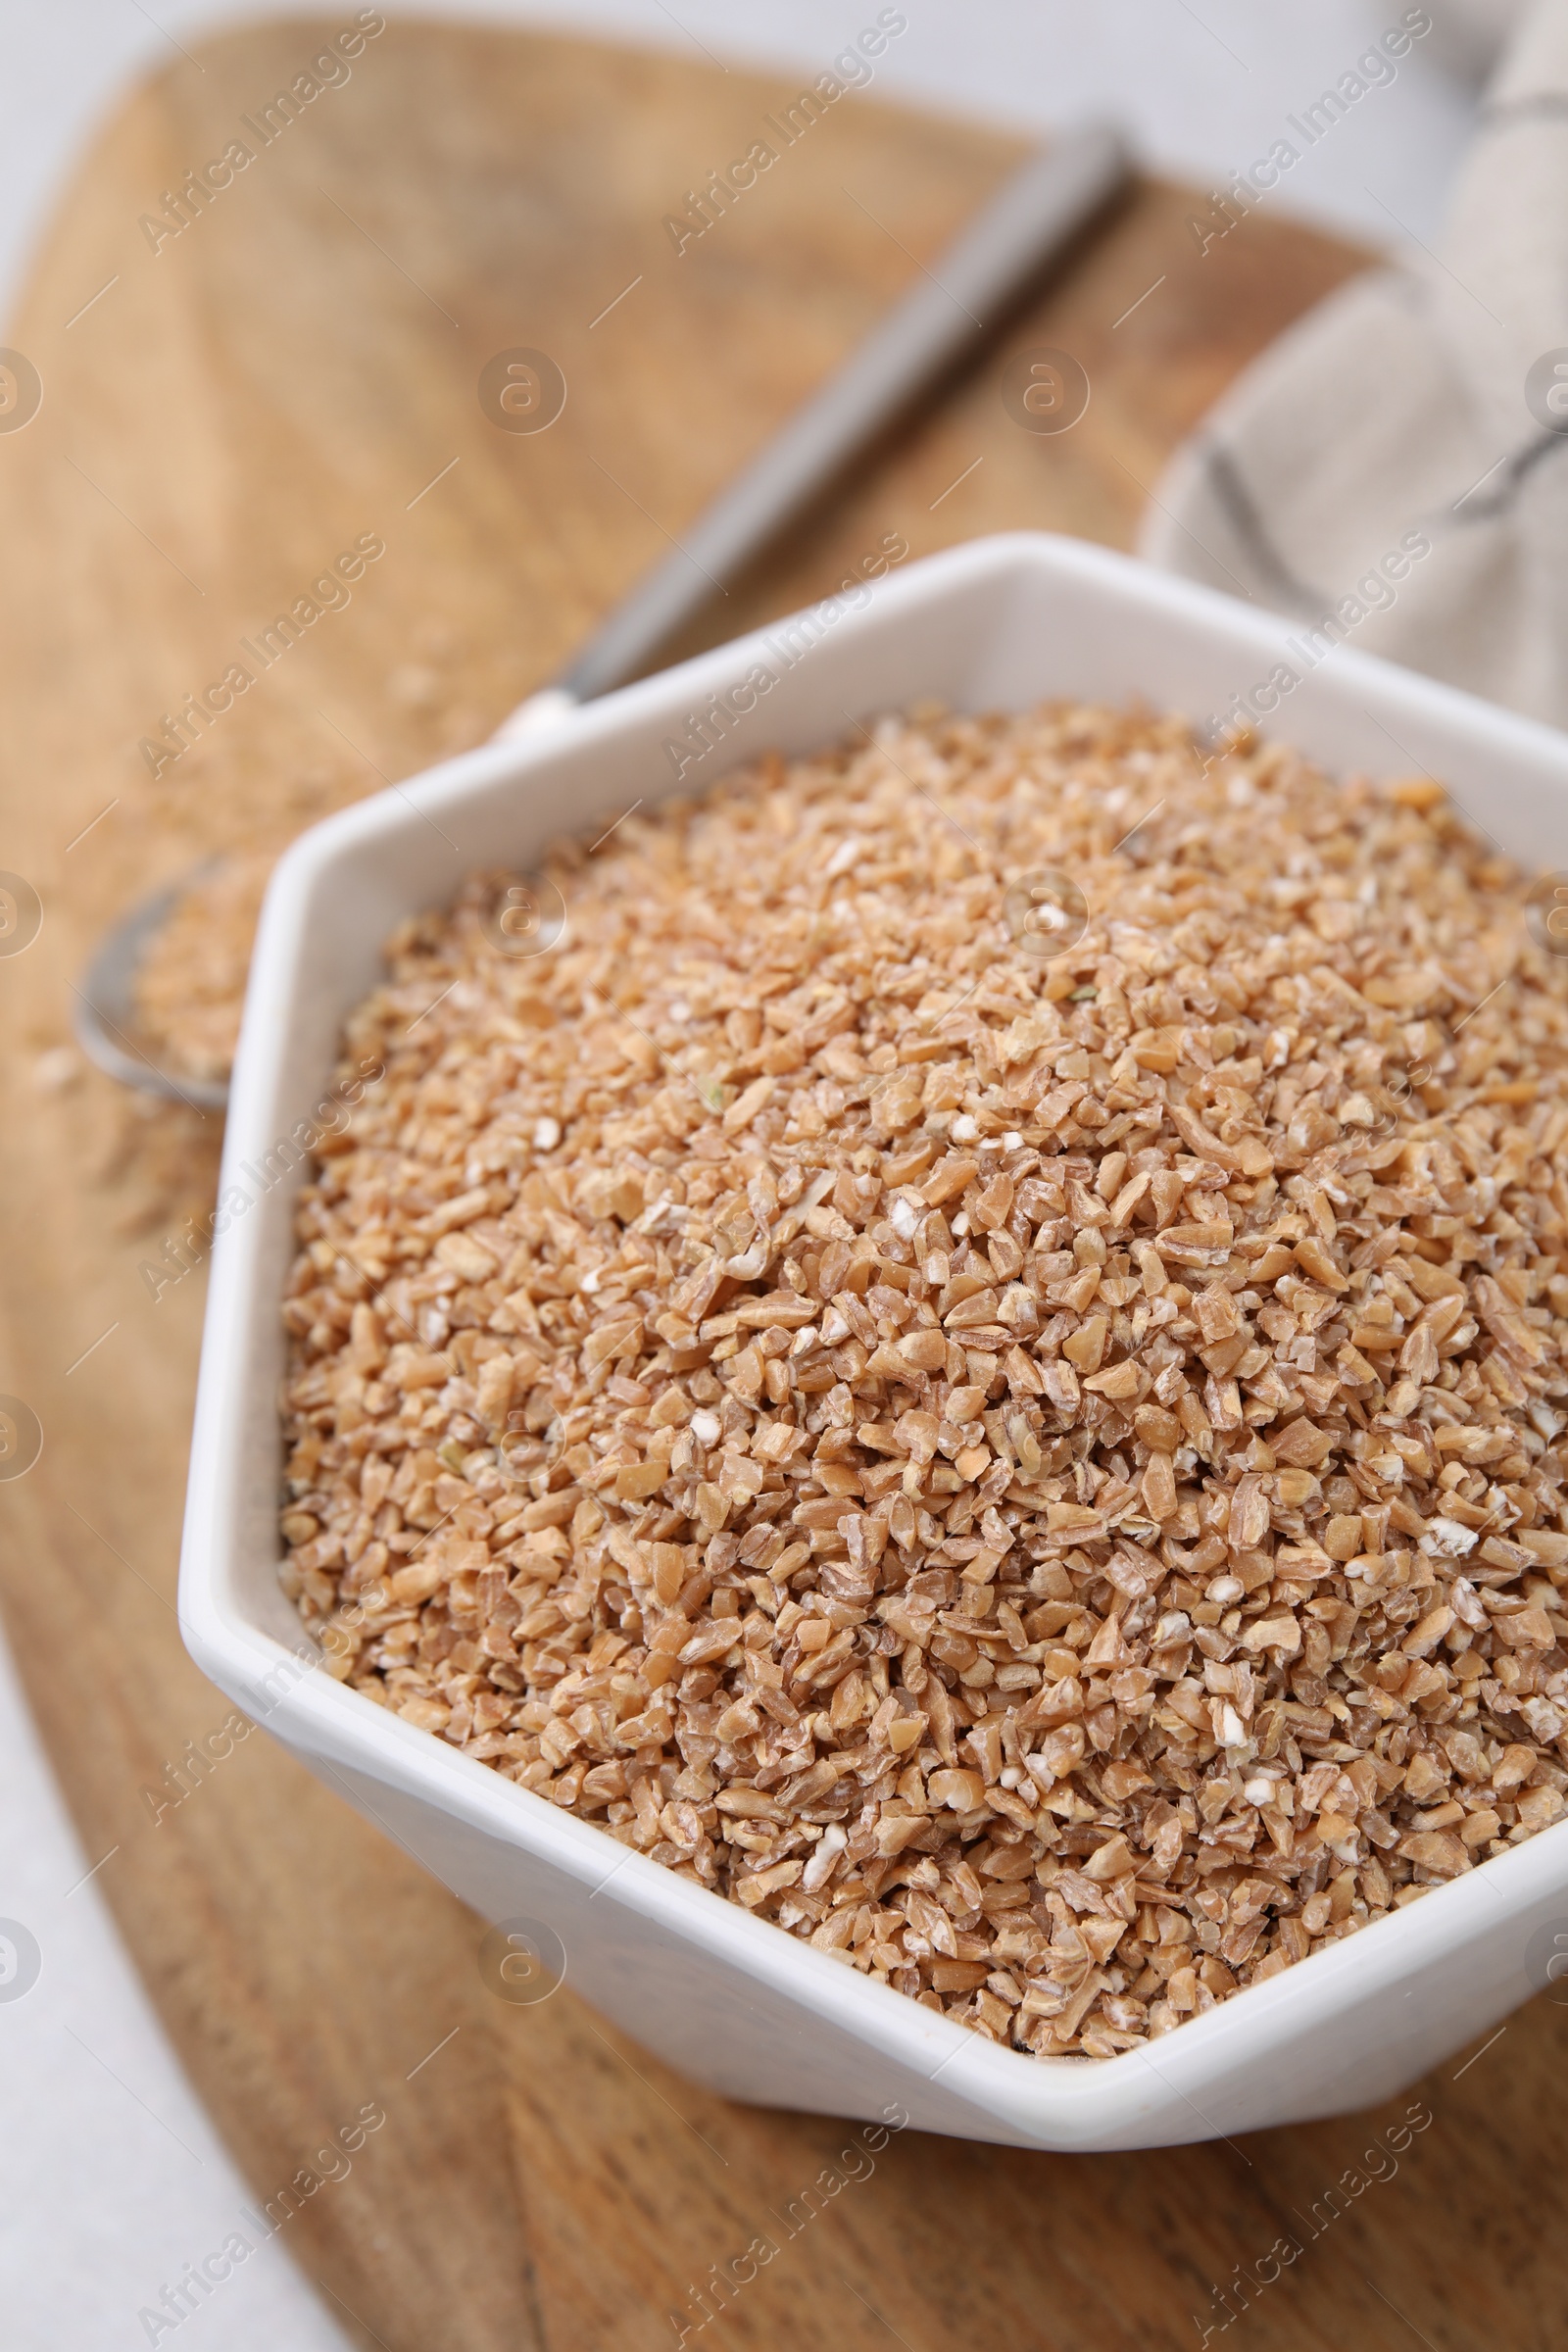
190	980
1039	1474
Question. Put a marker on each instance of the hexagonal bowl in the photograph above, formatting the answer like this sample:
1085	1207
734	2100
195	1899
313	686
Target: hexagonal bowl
729	1998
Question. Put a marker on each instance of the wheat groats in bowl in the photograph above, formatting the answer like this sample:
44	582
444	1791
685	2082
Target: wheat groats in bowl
972	1358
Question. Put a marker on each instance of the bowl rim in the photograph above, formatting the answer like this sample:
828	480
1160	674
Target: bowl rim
332	1721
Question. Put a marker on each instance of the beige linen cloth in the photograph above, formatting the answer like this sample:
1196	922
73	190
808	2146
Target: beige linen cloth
1421	404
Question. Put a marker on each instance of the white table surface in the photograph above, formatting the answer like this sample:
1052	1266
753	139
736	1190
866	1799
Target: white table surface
111	2177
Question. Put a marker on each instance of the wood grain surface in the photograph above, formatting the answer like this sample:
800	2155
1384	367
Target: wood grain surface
220	416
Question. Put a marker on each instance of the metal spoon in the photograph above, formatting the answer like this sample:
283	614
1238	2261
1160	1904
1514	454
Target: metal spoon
104	1012
1025	226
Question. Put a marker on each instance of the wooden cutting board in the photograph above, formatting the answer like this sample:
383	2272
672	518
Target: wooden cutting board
224	410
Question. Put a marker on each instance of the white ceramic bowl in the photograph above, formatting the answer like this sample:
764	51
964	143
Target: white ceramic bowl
726	1997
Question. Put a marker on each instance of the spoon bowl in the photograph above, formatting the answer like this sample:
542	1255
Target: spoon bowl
104	1013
